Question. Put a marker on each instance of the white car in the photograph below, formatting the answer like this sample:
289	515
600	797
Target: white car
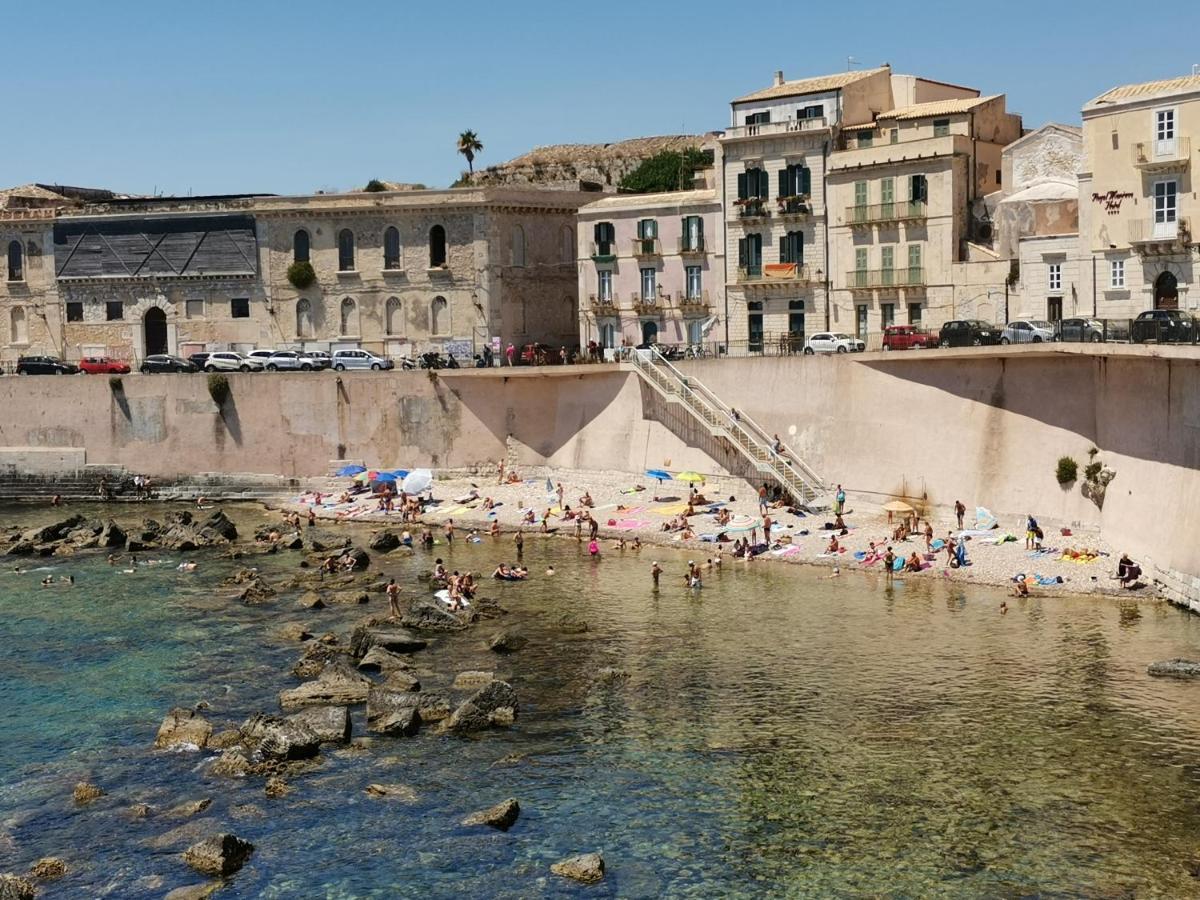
1027	331
228	361
290	360
320	359
264	355
833	342
359	359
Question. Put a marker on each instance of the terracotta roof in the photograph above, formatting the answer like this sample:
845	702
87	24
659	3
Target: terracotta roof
937	108
811	85
1148	89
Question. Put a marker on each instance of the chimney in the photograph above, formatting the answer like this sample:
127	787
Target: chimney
778	77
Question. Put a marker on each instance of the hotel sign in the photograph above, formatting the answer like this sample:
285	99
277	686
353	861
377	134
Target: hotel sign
1112	200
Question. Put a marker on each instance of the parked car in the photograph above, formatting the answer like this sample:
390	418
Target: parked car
45	365
1081	330
1027	331
320	359
102	365
833	342
289	360
1163	326
163	362
359	359
968	333
264	355
198	360
228	361
907	337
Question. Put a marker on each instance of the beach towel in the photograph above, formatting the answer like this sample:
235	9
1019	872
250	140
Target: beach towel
938	544
631	524
898	565
673	510
785	551
1047	580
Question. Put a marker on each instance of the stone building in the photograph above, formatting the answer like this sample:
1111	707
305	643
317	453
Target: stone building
1138	212
651	268
394	272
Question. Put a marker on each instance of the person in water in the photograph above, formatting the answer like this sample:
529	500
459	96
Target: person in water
393	595
655	572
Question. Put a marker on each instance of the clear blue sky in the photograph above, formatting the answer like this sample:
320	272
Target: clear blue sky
227	97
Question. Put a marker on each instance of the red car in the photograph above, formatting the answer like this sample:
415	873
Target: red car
907	337
102	365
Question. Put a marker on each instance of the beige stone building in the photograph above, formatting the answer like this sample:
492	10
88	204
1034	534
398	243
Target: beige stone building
1137	195
394	272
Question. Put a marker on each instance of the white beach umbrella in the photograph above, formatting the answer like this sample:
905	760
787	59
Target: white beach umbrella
417	480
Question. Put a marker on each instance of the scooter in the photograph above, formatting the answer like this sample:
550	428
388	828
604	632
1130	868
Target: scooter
407	364
451	362
430	360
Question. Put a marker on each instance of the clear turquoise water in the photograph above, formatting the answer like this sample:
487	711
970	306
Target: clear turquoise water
779	735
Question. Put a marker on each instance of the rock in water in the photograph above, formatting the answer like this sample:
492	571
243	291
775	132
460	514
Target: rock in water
380	660
493	704
280	738
189	808
399	680
194	891
385	541
257	591
507	642
218	525
231	764
276	787
15	887
394	640
331	724
469	681
293	631
311	600
348	598
48	868
219	855
86	793
337	685
392	712
1175	668
393	792
52	532
501	816
586	867
183	729
426	615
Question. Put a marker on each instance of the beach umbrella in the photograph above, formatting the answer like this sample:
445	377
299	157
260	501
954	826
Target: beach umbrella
364	476
661	474
400	473
345	471
898	506
418	480
384	476
692	477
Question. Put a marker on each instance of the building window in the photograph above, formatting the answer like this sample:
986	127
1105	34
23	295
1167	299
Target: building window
1165	207
518	246
860	194
19	333
394	316
608	336
391	247
647	229
860	321
759	118
810	112
860	259
865	139
692	229
887	196
438	317
1054	309
752	184
16	258
941	127
649	291
349	317
74	311
918	188
754	325
1116	273
999	177
887	262
894	136
914	264
345	250
750	255
887	314
437	247
300	245
1054	277
796	320
114	310
791	248
304	327
914	314
694	283
193	309
604	285
605	235
1164	125
239	307
795	181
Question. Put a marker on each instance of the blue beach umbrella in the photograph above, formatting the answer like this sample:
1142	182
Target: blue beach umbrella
661	474
400	473
350	470
385	476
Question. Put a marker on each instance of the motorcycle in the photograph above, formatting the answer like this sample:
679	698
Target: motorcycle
451	362
430	360
407	364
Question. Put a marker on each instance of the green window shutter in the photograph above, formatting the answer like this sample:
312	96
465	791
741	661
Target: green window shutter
799	252
651	228
783	250
860	193
783	181
887	190
805	180
699	227
763	184
914	256
743	253
598	232
684	231
741	185
641	227
887	256
860	259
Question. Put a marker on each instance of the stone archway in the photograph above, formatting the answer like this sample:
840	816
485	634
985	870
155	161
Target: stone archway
1166	291
154	331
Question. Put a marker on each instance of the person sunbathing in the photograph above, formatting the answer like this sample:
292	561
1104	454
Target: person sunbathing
529	517
914	563
488	503
687	534
514	478
586	500
724	517
833	547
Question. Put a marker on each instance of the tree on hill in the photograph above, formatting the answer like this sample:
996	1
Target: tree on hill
468	145
670	170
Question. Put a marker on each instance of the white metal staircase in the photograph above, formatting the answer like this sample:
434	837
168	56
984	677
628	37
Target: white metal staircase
784	467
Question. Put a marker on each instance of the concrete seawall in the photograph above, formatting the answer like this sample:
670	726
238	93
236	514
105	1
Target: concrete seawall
984	428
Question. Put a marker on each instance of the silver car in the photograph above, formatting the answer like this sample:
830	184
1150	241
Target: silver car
228	361
359	359
289	360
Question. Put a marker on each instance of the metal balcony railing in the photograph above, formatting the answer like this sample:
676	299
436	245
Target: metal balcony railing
645	247
1161	156
598	302
774	273
686	301
869	279
798	205
753	208
1146	232
645	304
880	213
604	251
693	244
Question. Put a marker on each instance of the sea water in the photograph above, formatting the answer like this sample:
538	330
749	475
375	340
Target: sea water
775	733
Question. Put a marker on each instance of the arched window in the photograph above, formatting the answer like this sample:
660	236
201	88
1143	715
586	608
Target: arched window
437	247
568	244
349	317
518	246
394	313
391	248
1166	291
439	317
304	327
300	242
19	333
16	268
345	250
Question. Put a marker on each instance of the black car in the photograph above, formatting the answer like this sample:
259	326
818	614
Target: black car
1089	331
45	365
1163	326
198	360
163	362
968	333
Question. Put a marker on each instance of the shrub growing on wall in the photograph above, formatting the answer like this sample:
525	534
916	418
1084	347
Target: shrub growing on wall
1067	470
218	388
669	170
375	186
301	275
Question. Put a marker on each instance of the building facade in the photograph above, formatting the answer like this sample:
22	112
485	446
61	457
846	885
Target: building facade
651	269
1138	206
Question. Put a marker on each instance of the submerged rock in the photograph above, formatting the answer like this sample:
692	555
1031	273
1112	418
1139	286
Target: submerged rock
189	808
311	600
315	658
276	787
231	764
257	591
86	793
1175	668
392	711
586	867
394	640
331	724
16	887
333	687
183	729
48	868
194	891
507	642
219	855
347	598
294	631
493	704
428	615
183	835
500	816
469	681
400	792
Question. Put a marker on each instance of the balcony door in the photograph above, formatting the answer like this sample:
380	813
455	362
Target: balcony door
1165	208
1164	133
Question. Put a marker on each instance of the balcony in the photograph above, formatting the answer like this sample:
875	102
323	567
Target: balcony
794	207
646	248
691	246
765	129
604	252
692	303
885	213
774	274
752	208
885	279
1155	238
644	305
1160	157
602	305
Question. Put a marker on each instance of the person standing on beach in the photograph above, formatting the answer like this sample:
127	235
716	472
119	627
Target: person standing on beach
1031	530
519	540
500	471
579	527
767	530
928	536
959	512
839	501
559	491
593	527
449	531
889	563
950	545
762	500
393	595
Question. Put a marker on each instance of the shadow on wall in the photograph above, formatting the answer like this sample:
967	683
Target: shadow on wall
680	423
1146	408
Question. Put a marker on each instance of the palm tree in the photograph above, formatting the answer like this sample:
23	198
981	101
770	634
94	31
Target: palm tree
468	145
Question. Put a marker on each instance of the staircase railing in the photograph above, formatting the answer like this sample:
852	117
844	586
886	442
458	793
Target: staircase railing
784	465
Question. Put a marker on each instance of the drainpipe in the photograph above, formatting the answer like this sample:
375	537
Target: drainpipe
825	198
725	238
972	187
1095	309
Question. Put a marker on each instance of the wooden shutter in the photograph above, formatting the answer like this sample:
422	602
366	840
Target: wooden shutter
783	249
799	255
743	254
742	195
763	184
805	180
598	232
699	229
784	187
